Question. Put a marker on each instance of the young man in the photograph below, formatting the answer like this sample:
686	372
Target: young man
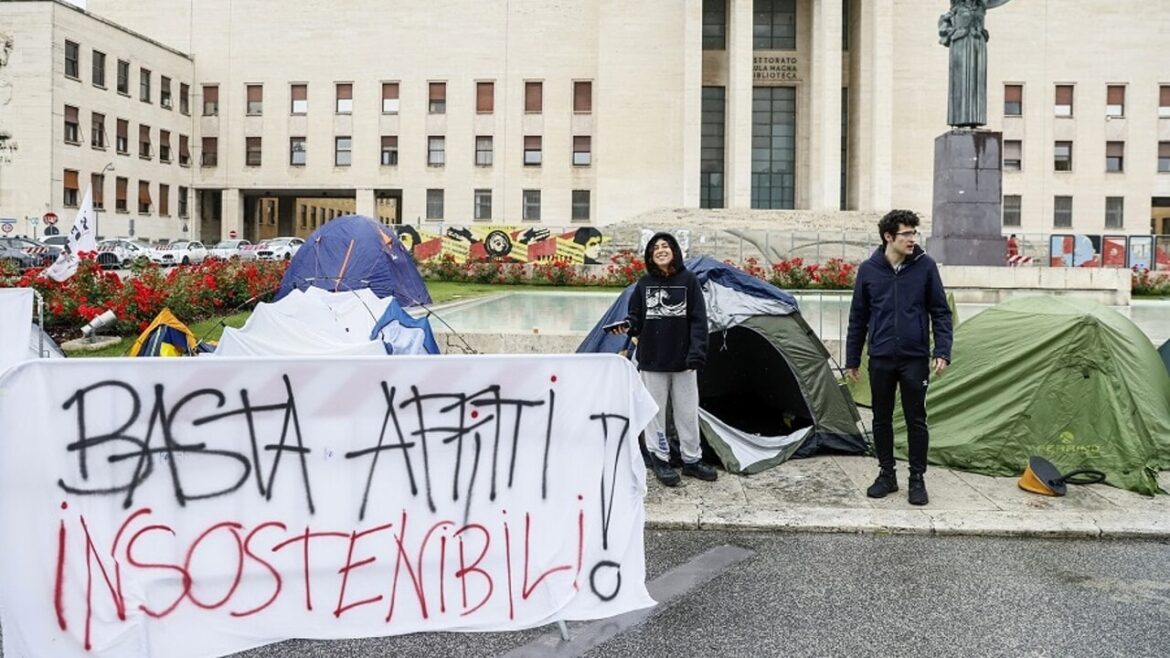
669	317
897	297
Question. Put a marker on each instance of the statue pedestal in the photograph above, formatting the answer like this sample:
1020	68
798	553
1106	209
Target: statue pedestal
968	199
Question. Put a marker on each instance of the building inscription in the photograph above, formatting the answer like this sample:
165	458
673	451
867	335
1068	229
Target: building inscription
775	68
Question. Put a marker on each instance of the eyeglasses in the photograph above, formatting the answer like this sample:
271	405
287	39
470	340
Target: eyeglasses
908	234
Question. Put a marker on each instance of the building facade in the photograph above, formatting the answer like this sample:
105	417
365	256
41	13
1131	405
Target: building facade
529	111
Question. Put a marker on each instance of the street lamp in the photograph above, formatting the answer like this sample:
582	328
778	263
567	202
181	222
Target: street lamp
97	211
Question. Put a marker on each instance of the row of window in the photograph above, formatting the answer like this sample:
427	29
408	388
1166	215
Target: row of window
1013	100
97	182
98	139
482	205
1062	211
436	151
485	94
145	78
773	24
1062	152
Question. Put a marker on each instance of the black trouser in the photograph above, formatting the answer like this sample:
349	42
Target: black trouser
911	376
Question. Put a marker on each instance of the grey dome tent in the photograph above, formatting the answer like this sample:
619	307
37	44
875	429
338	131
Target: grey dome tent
768	392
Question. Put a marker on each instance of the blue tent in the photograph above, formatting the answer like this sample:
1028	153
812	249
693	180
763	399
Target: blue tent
354	252
768	391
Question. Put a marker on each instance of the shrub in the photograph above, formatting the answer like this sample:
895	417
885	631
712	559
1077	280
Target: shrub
1154	284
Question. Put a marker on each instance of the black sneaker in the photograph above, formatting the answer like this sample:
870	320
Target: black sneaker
886	483
701	470
665	474
918	491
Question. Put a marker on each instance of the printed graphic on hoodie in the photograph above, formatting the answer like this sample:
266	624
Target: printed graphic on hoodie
666	302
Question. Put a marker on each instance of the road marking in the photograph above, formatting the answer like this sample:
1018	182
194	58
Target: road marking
663	589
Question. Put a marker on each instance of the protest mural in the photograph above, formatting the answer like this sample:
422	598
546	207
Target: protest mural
200	507
516	244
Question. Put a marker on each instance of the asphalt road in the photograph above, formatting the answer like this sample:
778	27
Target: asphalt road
854	595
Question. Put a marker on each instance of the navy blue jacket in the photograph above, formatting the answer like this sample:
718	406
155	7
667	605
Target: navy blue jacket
894	311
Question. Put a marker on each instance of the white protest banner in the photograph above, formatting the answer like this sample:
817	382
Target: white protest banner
81	239
198	507
16	315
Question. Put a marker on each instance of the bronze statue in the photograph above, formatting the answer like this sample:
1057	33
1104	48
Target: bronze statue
961	29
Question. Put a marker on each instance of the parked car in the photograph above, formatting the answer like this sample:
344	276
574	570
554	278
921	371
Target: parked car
120	252
10	255
182	252
279	248
58	241
227	249
43	254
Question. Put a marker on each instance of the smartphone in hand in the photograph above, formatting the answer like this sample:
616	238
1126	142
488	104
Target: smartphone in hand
616	327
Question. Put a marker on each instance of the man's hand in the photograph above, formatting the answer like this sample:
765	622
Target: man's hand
620	330
853	374
940	364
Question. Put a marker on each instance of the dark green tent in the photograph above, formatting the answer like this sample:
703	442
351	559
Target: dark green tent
1071	381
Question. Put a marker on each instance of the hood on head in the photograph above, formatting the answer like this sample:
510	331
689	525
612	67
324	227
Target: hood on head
676	263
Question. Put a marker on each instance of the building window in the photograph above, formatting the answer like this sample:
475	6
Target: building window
164	92
437	98
436	151
144	199
182	201
144	142
483	205
580	205
532	151
389	98
774	147
72	127
485	97
1013	100
255	97
774	25
1011	209
1114	212
123	137
299	96
1064	100
99	69
1164	101
144	85
533	97
711	148
97	184
1062	212
389	150
72	60
184	98
164	145
164	200
296	151
582	97
344	97
210	100
1012	155
582	153
210	155
714	24
434	204
123	78
1115	157
1063	156
120	185
252	151
1164	157
70	188
184	151
483	151
531	205
342	151
1115	101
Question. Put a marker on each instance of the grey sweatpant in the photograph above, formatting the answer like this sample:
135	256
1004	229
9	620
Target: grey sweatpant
682	388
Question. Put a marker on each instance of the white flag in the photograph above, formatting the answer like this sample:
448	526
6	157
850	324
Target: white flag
81	238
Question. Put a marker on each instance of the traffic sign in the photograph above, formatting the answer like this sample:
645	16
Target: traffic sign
52	230
50	218
7	227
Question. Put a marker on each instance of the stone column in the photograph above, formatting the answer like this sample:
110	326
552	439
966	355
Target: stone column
737	189
364	203
692	102
232	213
824	184
874	105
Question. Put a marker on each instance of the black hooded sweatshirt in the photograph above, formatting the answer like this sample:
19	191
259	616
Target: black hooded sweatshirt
668	315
